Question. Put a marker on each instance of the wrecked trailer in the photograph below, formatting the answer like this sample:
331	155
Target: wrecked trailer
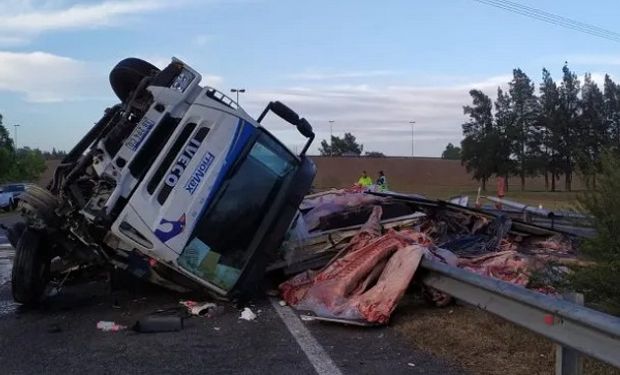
177	184
353	255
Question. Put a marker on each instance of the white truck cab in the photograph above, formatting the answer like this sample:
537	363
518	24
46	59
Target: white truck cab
177	184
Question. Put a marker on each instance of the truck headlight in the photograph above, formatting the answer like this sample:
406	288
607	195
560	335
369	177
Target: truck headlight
183	80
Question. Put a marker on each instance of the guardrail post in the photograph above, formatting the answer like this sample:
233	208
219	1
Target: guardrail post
569	361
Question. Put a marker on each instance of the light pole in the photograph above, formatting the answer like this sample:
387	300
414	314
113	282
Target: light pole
412	123
15	136
331	137
237	91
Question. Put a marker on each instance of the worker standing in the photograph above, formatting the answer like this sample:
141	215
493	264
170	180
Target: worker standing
381	182
364	181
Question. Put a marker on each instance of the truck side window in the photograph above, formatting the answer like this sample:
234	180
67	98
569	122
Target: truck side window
218	248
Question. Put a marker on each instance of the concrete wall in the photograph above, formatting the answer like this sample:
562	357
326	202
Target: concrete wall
426	175
431	176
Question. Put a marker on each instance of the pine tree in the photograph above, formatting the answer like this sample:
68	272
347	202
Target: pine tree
592	131
611	98
522	131
549	123
480	141
504	121
569	113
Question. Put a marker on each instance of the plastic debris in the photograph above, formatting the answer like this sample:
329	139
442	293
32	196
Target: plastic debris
200	308
108	326
247	314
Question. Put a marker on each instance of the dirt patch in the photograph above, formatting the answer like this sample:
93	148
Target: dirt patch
480	342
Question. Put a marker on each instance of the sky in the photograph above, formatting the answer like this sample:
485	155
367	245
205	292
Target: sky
370	67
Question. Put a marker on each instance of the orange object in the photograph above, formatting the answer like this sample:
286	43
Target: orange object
501	187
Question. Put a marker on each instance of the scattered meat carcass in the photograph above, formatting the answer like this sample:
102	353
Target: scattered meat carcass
361	277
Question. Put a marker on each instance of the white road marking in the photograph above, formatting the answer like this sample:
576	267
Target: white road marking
320	360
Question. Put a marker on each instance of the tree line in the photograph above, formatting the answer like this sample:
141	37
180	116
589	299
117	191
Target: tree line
20	165
345	146
559	132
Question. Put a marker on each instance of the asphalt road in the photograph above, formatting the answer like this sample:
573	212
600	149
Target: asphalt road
61	338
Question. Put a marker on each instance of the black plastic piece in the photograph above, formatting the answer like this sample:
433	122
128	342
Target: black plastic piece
290	116
152	146
285	112
159	323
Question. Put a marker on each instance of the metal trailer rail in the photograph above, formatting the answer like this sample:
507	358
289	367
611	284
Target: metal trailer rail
573	326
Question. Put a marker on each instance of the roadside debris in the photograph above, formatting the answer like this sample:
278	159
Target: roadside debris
108	326
247	314
357	274
200	308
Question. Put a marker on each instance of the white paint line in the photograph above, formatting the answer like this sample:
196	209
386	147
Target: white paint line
318	357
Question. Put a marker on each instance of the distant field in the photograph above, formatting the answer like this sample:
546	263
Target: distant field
435	178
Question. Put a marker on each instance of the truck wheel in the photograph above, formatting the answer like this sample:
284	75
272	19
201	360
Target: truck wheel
30	269
13	204
127	74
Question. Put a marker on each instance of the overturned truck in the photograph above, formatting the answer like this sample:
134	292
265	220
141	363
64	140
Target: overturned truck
176	184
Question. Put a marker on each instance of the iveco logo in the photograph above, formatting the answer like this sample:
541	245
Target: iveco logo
182	162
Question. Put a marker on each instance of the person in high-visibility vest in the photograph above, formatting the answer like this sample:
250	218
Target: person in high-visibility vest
381	182
364	181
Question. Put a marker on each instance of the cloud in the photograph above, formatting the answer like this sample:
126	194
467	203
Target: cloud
311	75
378	116
43	77
201	40
21	19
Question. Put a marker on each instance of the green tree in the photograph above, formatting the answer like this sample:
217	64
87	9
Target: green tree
480	143
611	98
23	165
346	145
570	106
591	131
504	121
451	152
29	164
374	154
7	153
549	122
600	282
522	131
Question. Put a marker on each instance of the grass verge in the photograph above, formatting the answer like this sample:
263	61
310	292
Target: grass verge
481	342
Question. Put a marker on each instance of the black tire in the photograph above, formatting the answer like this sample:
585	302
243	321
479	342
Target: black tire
14	233
13	204
127	74
30	269
37	200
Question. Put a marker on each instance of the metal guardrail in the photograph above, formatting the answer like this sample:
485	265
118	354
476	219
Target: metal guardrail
573	326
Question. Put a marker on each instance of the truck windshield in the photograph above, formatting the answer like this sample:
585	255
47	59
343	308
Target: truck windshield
218	248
